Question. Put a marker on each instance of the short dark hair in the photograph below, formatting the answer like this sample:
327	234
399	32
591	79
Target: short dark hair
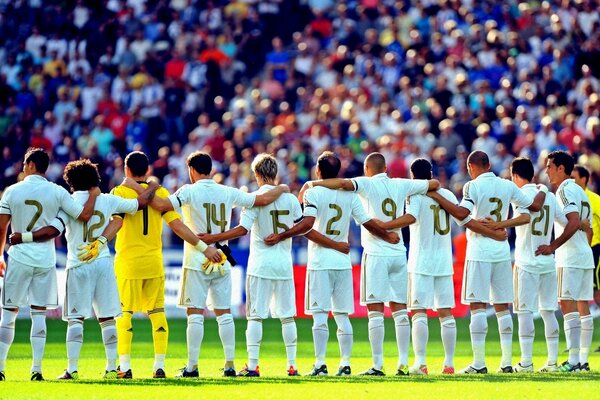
200	162
376	161
329	165
479	158
81	175
137	162
39	158
523	167
421	169
560	157
583	172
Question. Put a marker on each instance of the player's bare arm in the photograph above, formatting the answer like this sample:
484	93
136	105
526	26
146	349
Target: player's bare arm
88	207
455	210
538	201
322	240
4	221
587	228
332	183
147	195
41	235
158	203
521	219
573	225
496	234
231	234
181	230
264	199
433	184
298	229
384	234
399	222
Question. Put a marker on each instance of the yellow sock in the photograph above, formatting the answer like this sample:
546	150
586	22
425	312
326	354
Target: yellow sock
160	330
124	333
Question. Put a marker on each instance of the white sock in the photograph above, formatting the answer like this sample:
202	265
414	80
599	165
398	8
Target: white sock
159	361
38	338
572	324
290	338
402	335
320	331
448	327
587	330
227	335
526	337
551	331
478	328
376	335
109	338
7	334
505	328
345	338
74	343
420	336
253	339
124	362
194	335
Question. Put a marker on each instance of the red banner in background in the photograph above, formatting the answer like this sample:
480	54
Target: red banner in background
361	311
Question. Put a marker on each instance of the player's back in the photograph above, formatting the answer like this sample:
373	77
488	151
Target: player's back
273	262
139	241
575	252
383	198
430	239
34	203
333	210
534	234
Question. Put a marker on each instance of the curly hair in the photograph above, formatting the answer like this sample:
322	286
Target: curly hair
81	175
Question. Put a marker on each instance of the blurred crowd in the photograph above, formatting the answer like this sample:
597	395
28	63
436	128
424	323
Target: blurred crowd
427	78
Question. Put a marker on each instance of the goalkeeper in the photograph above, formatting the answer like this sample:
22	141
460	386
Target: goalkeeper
206	208
139	265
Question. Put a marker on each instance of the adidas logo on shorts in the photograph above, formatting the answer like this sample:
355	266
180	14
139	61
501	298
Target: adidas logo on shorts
8	301
416	302
74	310
315	304
371	296
188	300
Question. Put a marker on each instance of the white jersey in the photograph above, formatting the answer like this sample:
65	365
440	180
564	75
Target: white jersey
430	240
332	210
384	198
575	252
32	204
206	208
81	233
489	196
271	262
534	234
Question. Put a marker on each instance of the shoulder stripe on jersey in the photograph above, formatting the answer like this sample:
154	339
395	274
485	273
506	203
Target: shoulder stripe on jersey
299	219
310	205
8	208
466	189
121	215
179	200
62	222
563	197
469	200
355	184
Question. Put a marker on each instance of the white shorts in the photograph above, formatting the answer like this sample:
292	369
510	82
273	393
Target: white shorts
534	292
487	282
575	284
198	290
29	286
329	290
428	292
383	279
269	295
92	286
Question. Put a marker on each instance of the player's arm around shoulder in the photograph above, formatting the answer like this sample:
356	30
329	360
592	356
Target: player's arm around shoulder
269	197
458	211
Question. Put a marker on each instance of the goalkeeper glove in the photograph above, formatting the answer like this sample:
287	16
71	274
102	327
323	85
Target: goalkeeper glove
89	252
209	267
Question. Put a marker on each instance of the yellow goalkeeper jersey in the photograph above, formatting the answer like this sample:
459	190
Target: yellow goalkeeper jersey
139	244
595	205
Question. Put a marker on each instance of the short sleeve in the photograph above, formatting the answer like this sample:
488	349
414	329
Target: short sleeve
5	203
127	206
417	186
243	199
168	216
60	222
180	197
361	184
310	203
248	217
559	215
413	206
67	204
358	211
468	200
566	199
519	197
452	198
296	209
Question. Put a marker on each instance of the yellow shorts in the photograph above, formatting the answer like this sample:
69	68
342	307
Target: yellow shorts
142	295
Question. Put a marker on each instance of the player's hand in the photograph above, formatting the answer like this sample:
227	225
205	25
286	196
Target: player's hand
285	188
273	239
129	182
342	247
433	194
302	190
489	222
89	252
213	254
95	191
500	235
585	225
15	238
211	265
206	238
2	267
544	250
392	237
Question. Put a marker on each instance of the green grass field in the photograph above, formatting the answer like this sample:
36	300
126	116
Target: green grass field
274	383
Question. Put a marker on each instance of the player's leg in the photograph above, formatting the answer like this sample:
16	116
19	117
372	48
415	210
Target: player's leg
43	294
567	284
74	343
258	295
219	300
373	289
153	292
475	293
501	296
548	303
525	303
587	322
283	306
444	303
7	334
130	294
342	303
420	297
318	303
398	283
193	291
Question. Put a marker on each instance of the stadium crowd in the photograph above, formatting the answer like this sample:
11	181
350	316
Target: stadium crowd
293	78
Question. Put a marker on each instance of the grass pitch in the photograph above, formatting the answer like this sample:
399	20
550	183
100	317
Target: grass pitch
274	384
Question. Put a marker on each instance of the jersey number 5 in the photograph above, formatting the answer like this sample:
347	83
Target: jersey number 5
275	214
